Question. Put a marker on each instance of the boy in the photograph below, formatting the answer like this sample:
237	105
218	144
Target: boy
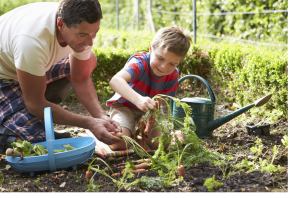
144	76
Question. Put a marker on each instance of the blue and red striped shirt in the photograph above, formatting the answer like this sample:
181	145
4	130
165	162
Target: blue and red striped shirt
144	82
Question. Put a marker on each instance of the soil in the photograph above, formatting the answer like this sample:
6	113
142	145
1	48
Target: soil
230	138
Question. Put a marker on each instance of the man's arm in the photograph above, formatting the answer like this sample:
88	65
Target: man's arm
33	88
84	89
119	84
83	85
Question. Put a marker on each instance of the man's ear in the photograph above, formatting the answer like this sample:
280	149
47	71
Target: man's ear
60	23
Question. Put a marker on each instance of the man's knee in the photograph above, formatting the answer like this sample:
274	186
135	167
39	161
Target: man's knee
58	90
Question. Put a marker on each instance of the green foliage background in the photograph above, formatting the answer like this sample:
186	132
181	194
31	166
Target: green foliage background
7	5
264	27
244	72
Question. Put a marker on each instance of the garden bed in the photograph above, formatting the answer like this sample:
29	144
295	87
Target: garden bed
229	139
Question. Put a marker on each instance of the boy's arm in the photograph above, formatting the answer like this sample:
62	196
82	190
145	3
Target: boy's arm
119	84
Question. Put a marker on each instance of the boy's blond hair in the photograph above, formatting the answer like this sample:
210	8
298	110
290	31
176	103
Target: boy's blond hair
172	39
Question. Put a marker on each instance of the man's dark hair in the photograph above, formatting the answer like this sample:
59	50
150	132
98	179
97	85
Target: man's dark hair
74	12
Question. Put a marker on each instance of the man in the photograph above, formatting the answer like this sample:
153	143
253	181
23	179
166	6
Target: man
45	49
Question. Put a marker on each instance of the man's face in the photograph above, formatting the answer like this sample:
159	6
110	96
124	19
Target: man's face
80	36
163	63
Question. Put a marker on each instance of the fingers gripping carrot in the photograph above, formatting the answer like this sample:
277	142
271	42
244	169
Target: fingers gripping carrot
150	121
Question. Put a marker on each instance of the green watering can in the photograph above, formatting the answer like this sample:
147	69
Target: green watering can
203	110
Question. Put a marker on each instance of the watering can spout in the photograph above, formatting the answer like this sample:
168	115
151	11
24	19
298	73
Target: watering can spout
203	110
222	120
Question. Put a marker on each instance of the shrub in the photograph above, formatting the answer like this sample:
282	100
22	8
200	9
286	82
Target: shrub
249	74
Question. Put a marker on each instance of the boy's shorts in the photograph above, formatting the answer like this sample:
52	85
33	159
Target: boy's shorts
125	116
13	112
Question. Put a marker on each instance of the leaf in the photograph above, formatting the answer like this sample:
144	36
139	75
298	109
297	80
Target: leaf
275	151
62	184
7	167
211	183
23	146
68	147
59	150
39	149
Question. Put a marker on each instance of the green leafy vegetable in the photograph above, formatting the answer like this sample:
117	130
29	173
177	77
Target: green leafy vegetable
23	146
28	150
67	147
38	150
212	184
149	182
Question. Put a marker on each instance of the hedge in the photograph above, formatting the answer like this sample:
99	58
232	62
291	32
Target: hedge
245	73
248	74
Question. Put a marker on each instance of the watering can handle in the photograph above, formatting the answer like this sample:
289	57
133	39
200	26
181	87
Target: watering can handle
49	137
211	93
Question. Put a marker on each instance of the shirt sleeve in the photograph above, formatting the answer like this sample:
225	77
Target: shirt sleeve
29	55
83	55
135	67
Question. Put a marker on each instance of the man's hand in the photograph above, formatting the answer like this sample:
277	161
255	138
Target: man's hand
144	103
101	128
112	122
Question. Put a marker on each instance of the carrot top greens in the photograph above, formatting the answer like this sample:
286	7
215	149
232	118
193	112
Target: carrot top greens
166	160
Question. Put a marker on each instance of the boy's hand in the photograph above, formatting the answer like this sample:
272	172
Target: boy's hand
101	127
145	103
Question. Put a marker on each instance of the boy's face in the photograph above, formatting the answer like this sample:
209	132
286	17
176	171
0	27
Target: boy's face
163	63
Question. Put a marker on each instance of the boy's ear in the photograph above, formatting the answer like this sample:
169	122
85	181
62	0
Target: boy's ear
150	48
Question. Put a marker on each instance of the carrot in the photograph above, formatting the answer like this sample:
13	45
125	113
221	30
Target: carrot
137	171
149	124
180	170
116	175
138	166
121	163
144	137
151	119
120	135
142	166
134	171
143	160
140	128
88	175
